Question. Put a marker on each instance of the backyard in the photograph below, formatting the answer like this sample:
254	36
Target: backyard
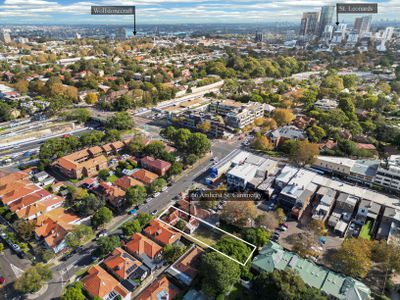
365	230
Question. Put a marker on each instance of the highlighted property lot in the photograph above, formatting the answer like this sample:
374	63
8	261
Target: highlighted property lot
204	234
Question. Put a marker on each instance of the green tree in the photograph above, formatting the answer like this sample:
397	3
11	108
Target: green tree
191	159
79	236
135	195
198	144
349	81
233	247
120	121
25	229
106	244
262	143
315	133
301	152
82	115
176	169
283	285
137	144
1	248
157	185
144	219
218	274
101	217
256	236
74	292
129	228
33	279
104	174
5	112
171	253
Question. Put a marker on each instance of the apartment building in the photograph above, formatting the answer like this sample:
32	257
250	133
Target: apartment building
236	114
388	173
326	104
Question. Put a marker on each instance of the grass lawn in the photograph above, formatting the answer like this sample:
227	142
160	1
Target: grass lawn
206	236
365	230
112	178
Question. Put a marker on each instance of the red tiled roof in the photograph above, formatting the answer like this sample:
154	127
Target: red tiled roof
161	233
157	164
99	283
121	263
140	244
145	176
126	182
158	289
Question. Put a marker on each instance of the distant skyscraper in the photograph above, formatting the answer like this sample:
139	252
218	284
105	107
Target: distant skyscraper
259	37
309	23
327	33
326	18
5	37
362	25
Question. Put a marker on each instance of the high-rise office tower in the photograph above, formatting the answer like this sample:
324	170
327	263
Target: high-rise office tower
5	37
259	37
309	23
326	18
362	25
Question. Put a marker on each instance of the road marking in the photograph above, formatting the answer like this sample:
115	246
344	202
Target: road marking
17	271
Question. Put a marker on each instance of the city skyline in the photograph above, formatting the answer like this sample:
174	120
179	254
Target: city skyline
174	11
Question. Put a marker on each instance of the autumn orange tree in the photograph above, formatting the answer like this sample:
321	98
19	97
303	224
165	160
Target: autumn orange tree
283	116
354	257
240	213
301	152
262	143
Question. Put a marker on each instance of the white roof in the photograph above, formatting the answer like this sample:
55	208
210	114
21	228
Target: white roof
244	171
357	191
286	174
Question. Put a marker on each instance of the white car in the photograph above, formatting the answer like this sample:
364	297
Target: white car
164	189
156	194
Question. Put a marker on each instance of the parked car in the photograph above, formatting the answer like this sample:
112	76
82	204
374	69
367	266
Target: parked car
132	211
156	194
154	212
102	233
284	225
164	188
282	228
352	226
15	247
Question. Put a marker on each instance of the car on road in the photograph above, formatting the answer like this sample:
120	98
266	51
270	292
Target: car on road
148	200
282	228
102	233
154	212
2	280
155	195
77	250
275	238
15	247
164	189
132	211
352	226
67	256
284	225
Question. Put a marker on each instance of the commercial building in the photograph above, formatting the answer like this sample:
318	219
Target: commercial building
325	19
309	24
336	286
362	25
388	173
5	36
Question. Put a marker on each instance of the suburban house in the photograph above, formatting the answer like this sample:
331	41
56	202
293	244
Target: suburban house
162	233
186	267
81	163
175	216
158	166
52	228
145	249
98	283
127	269
111	193
144	176
160	289
334	285
125	182
282	134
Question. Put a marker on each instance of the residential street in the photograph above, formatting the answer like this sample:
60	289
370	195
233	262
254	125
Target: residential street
67	269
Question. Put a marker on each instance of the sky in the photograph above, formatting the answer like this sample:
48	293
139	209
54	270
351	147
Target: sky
174	11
